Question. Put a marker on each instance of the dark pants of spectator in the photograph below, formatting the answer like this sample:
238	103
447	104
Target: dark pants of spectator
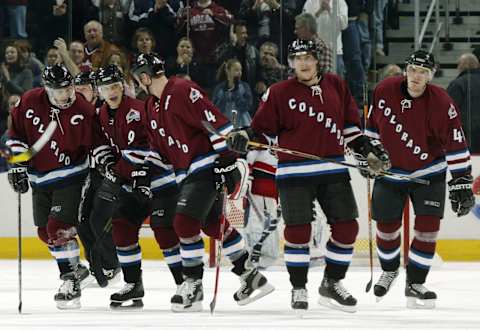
352	57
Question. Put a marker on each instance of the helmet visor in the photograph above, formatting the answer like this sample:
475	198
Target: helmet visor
61	97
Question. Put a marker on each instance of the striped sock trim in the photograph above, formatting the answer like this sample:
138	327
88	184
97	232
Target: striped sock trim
338	255
297	257
132	256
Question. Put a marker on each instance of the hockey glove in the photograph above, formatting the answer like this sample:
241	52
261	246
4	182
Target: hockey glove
461	194
372	152
226	172
18	179
237	140
110	187
141	186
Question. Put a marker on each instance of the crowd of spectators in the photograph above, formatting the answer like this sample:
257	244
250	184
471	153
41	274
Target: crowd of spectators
233	49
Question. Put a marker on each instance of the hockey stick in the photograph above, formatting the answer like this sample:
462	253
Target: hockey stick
36	147
296	153
19	197
369	199
218	258
96	258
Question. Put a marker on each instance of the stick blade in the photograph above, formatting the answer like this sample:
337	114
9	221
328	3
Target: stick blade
36	147
369	286
213	303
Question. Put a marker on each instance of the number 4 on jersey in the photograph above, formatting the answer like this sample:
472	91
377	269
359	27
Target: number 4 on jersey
458	135
210	116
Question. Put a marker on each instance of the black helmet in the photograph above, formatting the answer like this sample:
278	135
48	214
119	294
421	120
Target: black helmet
108	75
84	78
301	46
57	76
421	58
151	64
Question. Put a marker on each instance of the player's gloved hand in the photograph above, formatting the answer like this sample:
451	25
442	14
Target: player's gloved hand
105	164
237	140
461	194
372	152
362	162
225	171
110	187
141	186
18	179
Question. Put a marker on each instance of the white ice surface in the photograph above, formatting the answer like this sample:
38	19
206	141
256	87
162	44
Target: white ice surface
457	285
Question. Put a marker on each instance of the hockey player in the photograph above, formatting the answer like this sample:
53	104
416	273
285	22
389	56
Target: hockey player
122	161
85	84
58	172
419	124
174	114
313	113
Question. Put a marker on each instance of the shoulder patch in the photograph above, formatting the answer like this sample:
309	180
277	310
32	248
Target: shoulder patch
265	95
452	112
132	115
195	95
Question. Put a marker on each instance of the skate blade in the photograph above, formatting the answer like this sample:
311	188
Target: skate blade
332	304
300	312
267	288
414	303
70	304
378	299
119	305
195	307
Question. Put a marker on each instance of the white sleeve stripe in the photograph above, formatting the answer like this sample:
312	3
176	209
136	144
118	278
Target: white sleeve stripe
462	165
220	145
352	137
134	159
371	134
11	143
457	156
18	150
350	130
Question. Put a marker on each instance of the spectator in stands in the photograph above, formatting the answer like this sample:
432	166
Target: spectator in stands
270	70
183	64
97	50
17	17
352	52
232	93
64	54
391	70
15	75
378	18
260	15
77	54
306	29
53	56
162	22
28	57
330	25
463	91
239	48
143	41
110	15
209	27
3	107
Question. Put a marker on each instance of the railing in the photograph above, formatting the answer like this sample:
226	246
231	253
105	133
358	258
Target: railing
419	35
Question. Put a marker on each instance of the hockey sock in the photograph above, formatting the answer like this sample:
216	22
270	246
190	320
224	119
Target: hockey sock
173	259
130	258
422	249
388	244
66	255
168	242
234	249
192	251
339	250
297	253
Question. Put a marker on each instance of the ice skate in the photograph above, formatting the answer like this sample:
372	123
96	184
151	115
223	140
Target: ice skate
69	293
299	301
189	296
130	292
419	297
83	275
335	296
253	287
386	281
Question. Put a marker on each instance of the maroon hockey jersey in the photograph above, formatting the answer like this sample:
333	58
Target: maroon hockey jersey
318	120
175	129
65	157
422	135
125	136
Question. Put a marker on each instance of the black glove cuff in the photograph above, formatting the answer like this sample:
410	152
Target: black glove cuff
141	177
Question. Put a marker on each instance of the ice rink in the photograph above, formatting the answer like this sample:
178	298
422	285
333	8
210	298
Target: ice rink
457	285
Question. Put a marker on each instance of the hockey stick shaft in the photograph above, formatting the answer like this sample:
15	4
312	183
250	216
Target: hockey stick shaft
96	255
36	147
222	190
297	153
20	288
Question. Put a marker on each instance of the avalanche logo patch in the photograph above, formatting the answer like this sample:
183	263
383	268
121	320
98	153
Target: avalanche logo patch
452	113
195	95
132	115
406	104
